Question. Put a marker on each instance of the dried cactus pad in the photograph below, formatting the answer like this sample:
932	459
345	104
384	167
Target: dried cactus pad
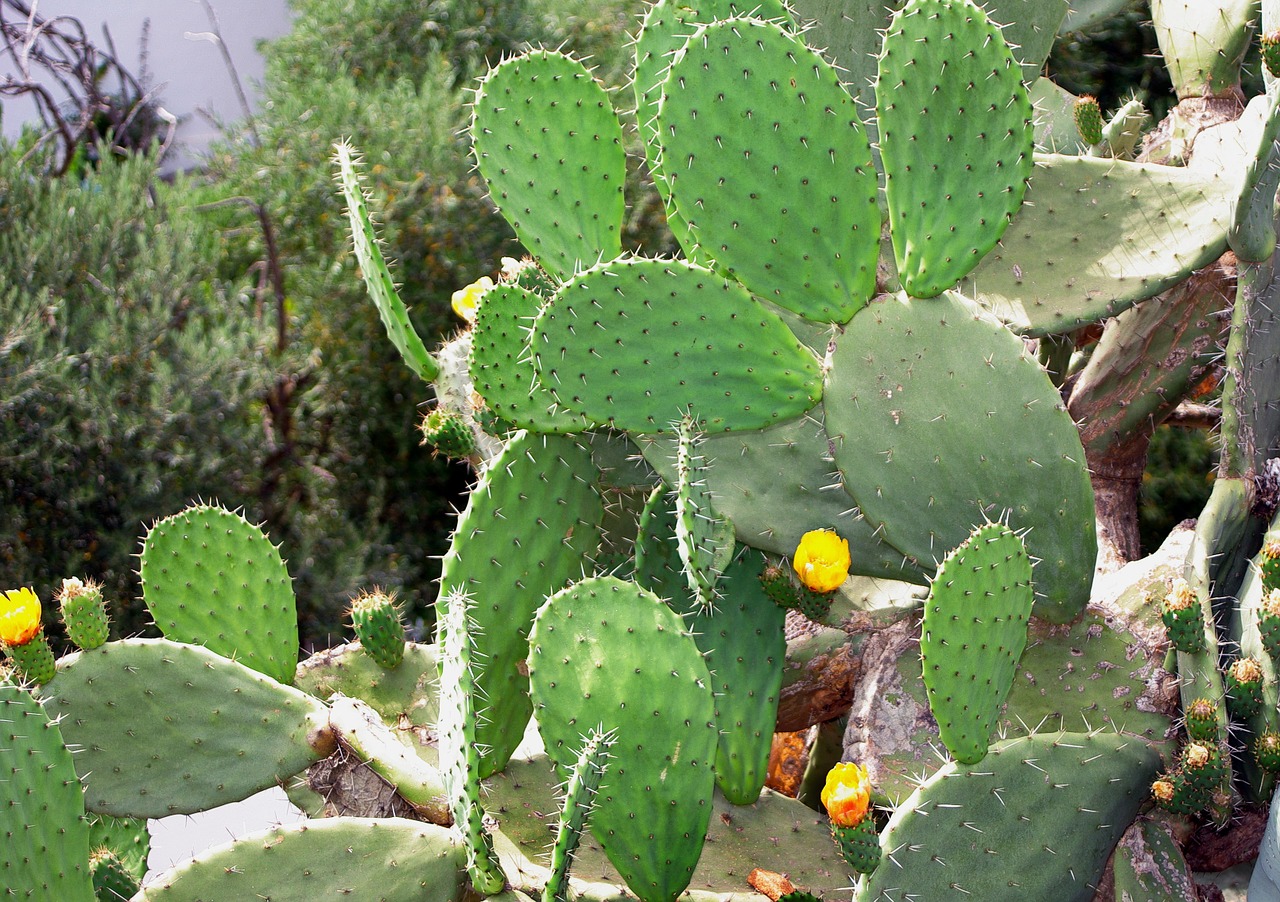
636	343
941	421
768	163
956	140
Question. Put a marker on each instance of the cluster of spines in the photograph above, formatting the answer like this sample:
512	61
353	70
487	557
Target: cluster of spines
785	593
377	624
1183	617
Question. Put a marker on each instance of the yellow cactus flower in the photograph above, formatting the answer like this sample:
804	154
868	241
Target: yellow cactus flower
847	794
1247	670
822	560
1163	790
467	300
1196	755
19	617
1271	603
1181	596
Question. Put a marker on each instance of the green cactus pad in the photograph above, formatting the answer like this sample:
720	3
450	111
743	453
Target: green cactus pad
1136	229
775	833
1148	865
448	433
776	484
112	879
127	838
502	370
45	852
1244	692
974	631
606	653
580	793
942	420
636	343
1266	752
956	140
768	164
387	859
530	522
1048	808
666	26
549	145
406	698
154	719
1202	721
377	624
211	578
377	278
1088	119
1203	44
33	660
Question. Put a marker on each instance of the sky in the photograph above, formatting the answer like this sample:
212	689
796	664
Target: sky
188	69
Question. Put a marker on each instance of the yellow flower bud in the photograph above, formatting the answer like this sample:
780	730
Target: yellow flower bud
467	300
19	616
847	794
1162	790
822	560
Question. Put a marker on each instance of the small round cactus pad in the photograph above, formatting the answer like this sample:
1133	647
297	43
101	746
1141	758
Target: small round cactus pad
941	421
637	343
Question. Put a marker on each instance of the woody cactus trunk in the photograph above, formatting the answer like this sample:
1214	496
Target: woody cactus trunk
836	461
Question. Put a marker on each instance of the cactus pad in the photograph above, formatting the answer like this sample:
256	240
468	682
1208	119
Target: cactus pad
606	653
45	852
529	523
376	620
388	859
1049	808
975	628
1136	229
448	433
768	164
860	845
549	145
941	420
211	578
635	343
84	612
154	719
956	140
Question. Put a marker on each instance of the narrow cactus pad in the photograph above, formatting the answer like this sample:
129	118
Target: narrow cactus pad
975	628
156	720
127	838
636	343
704	538
45	852
388	859
955	140
666	26
211	578
606	653
1049	808
549	145
529	524
941	420
776	484
377	278
501	367
1135	229
768	163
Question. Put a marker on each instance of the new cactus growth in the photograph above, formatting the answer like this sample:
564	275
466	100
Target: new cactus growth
84	613
1088	119
1183	617
1244	679
376	621
22	636
1202	721
448	433
847	798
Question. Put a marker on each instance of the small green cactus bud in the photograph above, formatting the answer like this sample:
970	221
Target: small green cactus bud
860	845
1271	52
84	613
1266	751
1269	623
1202	720
448	433
783	591
1088	116
1244	680
112	881
1174	793
1269	563
377	625
1203	767
1183	618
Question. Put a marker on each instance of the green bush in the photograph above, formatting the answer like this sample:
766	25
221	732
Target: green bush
130	372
